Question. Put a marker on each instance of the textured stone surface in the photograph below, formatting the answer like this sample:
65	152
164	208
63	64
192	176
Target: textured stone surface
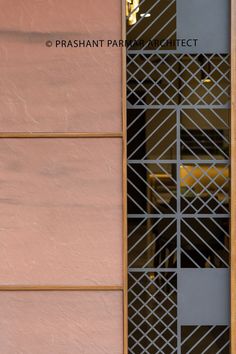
59	89
61	323
60	211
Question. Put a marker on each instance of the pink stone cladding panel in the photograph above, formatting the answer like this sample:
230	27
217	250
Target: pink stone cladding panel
59	89
61	323
60	211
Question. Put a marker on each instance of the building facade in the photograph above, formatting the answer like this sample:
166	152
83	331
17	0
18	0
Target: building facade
117	146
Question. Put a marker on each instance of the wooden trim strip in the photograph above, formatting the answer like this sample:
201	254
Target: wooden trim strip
233	179
124	183
61	135
60	288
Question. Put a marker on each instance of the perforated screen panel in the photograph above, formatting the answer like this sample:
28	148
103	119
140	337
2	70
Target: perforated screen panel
178	129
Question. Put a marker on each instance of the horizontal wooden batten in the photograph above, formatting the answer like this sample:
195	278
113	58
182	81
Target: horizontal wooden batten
60	288
27	135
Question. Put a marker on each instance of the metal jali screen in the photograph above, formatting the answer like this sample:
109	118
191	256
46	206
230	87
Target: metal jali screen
178	127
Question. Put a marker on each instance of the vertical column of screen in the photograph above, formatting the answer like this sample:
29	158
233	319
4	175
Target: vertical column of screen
194	88
205	175
153	205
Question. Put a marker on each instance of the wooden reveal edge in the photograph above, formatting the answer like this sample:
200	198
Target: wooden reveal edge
124	181
233	181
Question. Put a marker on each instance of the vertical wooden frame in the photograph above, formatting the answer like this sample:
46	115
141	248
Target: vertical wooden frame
233	178
124	178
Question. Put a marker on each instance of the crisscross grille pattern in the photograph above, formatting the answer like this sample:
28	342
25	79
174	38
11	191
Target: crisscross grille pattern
178	169
152	312
204	188
178	79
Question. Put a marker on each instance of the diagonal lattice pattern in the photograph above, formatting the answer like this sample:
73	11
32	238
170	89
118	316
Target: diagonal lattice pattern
204	188
205	134
151	188
152	313
161	24
204	243
151	134
178	79
205	340
178	129
152	243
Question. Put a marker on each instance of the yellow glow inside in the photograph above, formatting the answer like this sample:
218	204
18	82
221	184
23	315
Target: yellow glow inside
145	15
200	177
206	81
132	8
